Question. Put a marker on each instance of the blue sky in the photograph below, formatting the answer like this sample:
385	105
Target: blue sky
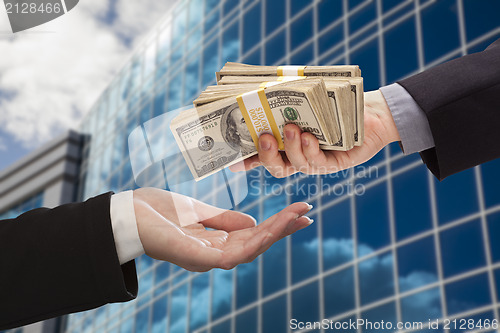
52	74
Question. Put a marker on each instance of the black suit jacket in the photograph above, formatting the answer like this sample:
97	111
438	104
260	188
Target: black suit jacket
461	99
59	261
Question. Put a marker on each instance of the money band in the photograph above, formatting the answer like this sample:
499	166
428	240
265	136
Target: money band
291	70
258	116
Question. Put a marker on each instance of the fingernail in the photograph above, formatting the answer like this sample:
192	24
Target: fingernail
289	135
311	221
309	207
266	145
305	142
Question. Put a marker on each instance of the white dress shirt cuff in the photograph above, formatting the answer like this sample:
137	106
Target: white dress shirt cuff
411	121
127	241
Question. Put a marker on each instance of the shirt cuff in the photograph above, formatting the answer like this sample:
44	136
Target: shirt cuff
127	241
411	121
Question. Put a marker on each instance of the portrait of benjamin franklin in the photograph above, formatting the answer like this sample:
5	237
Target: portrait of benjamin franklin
235	131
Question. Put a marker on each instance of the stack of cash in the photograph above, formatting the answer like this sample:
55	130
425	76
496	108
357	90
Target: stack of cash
237	69
224	126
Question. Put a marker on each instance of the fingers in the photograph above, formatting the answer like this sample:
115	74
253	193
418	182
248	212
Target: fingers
293	148
230	221
282	223
272	159
315	157
265	234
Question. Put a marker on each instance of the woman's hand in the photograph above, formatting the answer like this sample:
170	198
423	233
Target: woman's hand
172	227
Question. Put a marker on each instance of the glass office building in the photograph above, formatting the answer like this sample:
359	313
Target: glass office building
389	241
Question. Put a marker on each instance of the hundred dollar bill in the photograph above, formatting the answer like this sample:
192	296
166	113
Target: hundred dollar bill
218	134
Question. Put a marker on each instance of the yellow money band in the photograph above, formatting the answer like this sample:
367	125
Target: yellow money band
258	116
290	70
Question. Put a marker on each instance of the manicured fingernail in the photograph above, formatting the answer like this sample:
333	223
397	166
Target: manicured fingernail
309	207
290	135
266	145
311	221
305	142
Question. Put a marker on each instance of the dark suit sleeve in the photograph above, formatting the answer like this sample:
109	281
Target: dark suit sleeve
461	99
58	261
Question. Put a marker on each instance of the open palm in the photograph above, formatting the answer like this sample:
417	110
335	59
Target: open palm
173	227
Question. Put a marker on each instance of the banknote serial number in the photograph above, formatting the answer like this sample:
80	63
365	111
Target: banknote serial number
32	8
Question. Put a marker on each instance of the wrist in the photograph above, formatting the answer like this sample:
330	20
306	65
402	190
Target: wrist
375	101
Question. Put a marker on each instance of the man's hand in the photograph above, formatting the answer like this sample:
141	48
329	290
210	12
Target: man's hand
172	227
302	152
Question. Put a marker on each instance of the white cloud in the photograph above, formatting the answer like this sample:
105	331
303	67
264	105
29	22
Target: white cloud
51	75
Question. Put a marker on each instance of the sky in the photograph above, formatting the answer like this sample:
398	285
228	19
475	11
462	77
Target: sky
51	75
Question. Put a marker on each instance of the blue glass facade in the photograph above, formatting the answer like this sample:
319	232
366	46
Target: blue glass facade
389	242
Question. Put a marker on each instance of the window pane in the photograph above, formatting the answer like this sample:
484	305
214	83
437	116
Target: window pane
200	296
222	327
421	306
362	17
305	56
439	27
339	292
274	266
274	315
297	6
210	62
497	281
373	219
337	237
305	253
231	43
328	12
247	322
178	310
456	196
276	48
386	312
333	37
462	248
251	27
491	182
305	303
246	287
367	59
480	17
191	80
275	14
376	278
467	294
301	29
417	264
411	201
142	321
401	50
494	235
230	5
222	293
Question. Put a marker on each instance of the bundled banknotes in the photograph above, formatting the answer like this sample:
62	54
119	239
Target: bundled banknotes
226	121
